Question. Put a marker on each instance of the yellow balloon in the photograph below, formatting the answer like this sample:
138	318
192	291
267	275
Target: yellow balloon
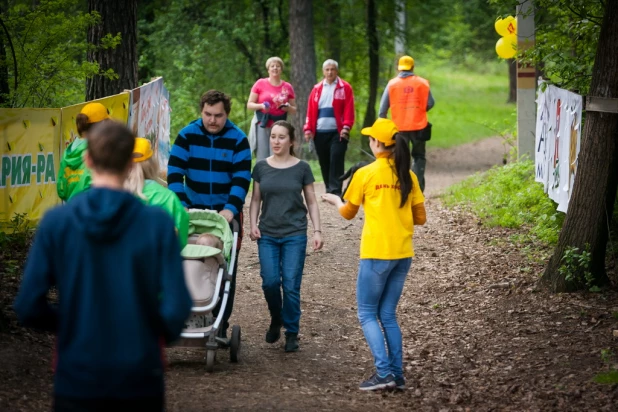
506	47
506	26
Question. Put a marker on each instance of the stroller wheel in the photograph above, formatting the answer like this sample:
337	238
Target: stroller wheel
235	344
211	355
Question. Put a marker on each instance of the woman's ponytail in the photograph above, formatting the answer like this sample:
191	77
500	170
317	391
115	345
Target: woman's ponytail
402	166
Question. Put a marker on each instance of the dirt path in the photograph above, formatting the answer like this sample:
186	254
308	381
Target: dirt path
477	335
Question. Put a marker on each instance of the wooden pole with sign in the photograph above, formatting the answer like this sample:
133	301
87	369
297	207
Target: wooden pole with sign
526	82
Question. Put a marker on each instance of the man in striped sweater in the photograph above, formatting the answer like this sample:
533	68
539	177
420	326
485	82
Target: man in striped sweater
210	168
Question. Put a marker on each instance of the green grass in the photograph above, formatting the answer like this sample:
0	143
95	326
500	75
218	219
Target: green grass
468	100
509	197
609	378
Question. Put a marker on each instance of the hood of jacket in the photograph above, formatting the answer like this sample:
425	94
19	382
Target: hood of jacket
74	155
104	214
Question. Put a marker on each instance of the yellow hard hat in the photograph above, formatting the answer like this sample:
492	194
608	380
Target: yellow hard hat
142	150
382	130
405	63
95	112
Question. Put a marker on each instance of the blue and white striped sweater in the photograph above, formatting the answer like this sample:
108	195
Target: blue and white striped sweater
210	171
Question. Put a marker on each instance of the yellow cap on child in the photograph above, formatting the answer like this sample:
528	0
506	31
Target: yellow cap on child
383	130
96	112
142	150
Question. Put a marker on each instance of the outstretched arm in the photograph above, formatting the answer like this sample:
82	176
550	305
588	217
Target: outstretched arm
347	210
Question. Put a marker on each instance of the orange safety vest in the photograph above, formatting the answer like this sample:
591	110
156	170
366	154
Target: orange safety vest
408	100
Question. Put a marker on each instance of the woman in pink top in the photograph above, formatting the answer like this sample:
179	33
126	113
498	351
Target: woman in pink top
272	99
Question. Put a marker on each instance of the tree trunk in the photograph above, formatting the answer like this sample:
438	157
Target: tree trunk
117	16
4	68
512	80
591	205
302	56
374	66
333	28
400	28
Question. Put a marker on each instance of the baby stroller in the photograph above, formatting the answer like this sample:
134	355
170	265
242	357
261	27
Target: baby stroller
208	270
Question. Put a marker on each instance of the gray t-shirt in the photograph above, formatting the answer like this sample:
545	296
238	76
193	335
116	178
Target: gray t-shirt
283	210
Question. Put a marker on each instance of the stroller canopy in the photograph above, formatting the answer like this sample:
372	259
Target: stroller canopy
206	221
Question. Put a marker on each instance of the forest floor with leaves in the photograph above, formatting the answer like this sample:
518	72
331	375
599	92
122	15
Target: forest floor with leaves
478	333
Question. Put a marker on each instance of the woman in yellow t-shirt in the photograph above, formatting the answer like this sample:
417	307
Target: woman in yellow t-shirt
393	204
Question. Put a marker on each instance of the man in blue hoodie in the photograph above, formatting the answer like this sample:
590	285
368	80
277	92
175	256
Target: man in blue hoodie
116	266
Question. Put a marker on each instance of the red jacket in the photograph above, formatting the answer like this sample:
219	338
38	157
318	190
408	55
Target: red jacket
343	106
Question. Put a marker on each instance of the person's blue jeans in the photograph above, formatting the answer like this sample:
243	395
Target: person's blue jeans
282	261
378	289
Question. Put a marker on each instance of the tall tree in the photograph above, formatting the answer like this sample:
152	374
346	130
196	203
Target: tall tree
302	56
512	63
374	65
594	192
117	17
333	29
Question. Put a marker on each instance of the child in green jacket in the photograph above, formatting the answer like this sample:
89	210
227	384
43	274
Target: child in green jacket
74	176
144	180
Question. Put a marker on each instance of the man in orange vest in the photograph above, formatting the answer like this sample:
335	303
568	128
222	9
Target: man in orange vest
409	98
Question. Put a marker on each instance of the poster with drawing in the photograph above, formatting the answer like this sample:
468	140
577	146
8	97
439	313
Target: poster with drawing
558	138
149	117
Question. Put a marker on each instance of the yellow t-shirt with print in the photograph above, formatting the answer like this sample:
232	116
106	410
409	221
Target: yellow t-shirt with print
388	229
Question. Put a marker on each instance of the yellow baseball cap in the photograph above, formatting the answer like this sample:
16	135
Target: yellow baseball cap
405	63
142	150
95	112
382	130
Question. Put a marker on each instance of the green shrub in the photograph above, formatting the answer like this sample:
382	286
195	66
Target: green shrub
509	197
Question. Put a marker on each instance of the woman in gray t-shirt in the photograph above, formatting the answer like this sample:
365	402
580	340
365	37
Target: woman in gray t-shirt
279	182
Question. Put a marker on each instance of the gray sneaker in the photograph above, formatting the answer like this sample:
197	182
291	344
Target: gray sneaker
375	382
400	383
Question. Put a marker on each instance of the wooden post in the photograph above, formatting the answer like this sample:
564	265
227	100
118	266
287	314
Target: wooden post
526	82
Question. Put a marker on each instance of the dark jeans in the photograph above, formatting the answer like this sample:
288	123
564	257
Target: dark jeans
230	299
282	261
62	404
418	155
331	149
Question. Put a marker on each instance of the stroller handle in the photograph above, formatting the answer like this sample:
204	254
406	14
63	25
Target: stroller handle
235	225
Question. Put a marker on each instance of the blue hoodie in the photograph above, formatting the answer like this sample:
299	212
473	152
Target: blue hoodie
116	265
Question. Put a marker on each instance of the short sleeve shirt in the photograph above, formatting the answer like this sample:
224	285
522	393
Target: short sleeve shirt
274	95
388	228
283	211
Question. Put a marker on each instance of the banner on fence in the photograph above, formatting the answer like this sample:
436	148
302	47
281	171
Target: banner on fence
33	141
117	107
558	135
30	141
149	117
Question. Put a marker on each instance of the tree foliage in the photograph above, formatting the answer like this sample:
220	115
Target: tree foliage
44	60
566	37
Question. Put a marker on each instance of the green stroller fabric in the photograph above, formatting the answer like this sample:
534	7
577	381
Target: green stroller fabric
202	221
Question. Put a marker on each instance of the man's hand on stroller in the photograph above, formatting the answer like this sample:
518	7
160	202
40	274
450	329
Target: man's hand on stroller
227	214
255	233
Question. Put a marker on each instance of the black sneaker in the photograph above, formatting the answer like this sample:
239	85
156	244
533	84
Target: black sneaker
274	331
375	382
400	383
291	342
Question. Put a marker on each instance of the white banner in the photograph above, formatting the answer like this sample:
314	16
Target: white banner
558	135
149	117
